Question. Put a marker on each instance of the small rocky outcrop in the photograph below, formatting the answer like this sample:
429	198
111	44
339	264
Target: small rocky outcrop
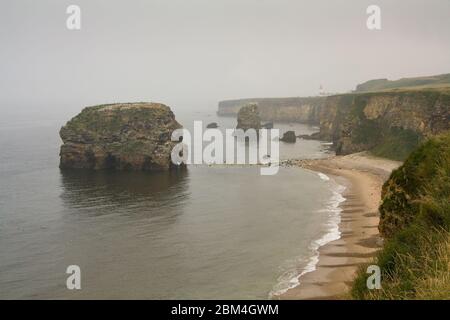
268	125
289	136
212	125
248	117
130	136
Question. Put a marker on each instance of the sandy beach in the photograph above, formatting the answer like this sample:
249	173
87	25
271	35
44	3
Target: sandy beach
363	177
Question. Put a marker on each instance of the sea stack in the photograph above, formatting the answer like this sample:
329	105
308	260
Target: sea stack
128	136
248	117
289	136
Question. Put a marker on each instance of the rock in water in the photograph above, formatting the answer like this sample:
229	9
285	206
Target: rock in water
129	136
248	117
268	125
212	125
289	136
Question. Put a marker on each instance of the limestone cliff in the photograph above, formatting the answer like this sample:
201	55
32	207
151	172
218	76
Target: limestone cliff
390	124
131	136
296	109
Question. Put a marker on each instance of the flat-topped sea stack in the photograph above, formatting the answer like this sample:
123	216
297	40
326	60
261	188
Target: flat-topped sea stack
128	136
248	117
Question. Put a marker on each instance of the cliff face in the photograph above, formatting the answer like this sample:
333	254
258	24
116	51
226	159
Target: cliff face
132	136
304	110
390	124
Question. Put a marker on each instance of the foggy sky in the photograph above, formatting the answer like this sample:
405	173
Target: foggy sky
186	52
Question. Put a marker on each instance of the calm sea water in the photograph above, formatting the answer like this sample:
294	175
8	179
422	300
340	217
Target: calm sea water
206	233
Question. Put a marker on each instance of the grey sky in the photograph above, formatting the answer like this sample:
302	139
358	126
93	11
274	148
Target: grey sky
203	51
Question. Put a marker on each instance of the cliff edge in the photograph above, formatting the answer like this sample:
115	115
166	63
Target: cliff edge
415	221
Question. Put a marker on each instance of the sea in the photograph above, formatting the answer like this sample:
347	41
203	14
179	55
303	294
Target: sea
207	232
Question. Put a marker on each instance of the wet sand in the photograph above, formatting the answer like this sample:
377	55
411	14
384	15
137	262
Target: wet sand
363	176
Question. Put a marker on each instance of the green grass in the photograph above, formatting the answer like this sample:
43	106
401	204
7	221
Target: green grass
419	270
438	81
415	221
397	144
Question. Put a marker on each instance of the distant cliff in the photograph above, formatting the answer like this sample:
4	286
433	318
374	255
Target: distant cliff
390	124
296	109
437	81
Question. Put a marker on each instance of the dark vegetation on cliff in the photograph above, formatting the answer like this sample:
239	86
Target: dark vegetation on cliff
415	221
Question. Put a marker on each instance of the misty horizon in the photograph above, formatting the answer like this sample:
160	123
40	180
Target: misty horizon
199	52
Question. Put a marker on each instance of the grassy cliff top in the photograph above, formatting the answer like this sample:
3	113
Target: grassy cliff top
432	90
127	106
104	122
415	219
101	113
438	82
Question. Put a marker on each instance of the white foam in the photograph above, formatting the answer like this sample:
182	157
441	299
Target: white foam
291	279
323	176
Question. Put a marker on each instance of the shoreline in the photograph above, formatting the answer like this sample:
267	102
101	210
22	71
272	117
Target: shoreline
338	260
